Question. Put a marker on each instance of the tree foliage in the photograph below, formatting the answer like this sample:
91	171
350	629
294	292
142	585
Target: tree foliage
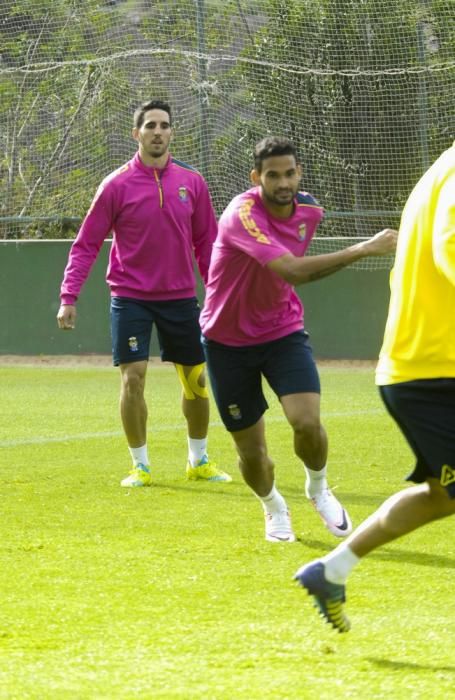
359	85
365	110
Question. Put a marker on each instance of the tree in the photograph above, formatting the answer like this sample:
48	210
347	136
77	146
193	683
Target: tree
351	83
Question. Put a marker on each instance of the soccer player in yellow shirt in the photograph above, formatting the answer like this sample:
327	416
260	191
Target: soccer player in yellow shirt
416	379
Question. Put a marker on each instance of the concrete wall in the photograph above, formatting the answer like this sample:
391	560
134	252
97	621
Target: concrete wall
344	313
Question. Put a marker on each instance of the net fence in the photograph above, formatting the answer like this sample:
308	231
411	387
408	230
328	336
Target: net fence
365	89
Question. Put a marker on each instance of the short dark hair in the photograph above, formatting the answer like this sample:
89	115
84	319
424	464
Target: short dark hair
273	146
138	118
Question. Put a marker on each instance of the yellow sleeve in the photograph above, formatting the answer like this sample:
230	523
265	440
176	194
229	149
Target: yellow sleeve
444	230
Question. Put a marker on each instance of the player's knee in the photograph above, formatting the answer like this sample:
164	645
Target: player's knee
253	455
133	381
193	381
306	427
442	504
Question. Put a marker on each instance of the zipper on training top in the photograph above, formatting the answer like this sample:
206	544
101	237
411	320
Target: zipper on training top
160	189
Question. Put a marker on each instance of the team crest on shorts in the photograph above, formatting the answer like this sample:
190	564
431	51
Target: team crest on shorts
447	475
133	344
235	411
183	193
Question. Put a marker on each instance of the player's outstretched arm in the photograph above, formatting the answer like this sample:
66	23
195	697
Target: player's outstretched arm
66	317
301	270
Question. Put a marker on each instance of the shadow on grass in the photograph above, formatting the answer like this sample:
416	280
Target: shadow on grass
401	556
403	665
348	499
420	558
240	491
215	489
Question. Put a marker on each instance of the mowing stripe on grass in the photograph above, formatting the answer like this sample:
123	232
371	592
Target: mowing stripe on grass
43	440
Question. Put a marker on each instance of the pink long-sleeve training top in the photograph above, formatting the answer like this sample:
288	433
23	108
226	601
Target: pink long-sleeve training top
159	219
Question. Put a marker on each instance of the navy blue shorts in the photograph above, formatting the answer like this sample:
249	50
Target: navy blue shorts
425	412
236	375
177	325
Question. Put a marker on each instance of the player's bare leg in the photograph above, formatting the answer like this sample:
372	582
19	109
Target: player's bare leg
255	464
402	513
195	404
196	409
310	439
399	515
310	445
133	411
259	473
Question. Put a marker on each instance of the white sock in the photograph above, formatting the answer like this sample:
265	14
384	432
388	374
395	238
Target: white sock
139	455
316	482
273	502
339	563
197	450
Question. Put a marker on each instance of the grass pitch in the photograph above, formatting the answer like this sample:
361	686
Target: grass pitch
171	592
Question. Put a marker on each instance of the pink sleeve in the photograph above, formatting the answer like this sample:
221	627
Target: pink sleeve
95	228
204	229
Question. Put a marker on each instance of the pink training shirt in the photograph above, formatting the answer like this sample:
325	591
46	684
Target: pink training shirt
158	219
246	303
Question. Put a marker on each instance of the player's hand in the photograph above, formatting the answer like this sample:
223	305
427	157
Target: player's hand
383	243
66	317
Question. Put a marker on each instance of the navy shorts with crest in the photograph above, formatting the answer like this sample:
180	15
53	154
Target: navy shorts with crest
236	375
177	325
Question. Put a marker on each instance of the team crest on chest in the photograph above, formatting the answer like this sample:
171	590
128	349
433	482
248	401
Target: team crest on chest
183	193
302	232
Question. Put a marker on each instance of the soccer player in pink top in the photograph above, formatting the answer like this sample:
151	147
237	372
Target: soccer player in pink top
252	322
159	213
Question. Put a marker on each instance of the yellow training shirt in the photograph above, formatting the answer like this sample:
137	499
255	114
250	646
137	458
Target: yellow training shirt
419	338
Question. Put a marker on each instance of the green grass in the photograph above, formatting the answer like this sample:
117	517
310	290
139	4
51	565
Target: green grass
171	592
